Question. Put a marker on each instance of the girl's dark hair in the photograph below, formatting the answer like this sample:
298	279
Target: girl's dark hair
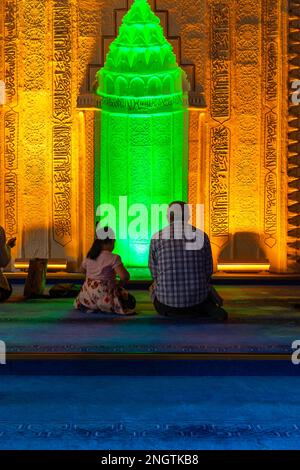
105	236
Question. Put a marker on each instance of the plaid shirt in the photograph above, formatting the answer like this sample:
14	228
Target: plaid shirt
181	275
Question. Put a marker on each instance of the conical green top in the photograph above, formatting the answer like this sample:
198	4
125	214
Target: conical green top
140	62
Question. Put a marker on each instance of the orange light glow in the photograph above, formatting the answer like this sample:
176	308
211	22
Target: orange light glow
240	166
244	267
53	265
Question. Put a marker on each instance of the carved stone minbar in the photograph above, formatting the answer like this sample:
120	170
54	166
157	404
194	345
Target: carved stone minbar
240	56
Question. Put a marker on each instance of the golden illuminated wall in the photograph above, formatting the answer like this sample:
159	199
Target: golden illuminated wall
46	184
245	167
294	141
235	54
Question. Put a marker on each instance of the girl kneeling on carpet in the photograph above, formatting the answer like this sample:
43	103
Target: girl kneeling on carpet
101	291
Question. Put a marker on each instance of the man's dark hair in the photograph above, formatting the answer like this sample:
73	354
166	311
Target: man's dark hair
178	211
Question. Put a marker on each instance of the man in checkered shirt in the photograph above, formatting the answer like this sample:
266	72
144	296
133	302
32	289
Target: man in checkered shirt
181	265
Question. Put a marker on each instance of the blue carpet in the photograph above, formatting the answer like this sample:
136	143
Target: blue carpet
262	319
149	413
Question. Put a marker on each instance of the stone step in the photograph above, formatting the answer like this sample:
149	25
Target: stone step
149	364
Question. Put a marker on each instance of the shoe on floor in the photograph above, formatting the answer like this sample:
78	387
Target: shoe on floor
219	315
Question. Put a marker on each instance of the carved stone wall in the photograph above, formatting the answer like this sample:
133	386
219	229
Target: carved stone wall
46	161
34	129
9	118
245	87
235	54
294	141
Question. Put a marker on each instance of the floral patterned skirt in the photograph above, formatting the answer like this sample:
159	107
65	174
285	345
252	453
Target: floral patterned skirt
105	296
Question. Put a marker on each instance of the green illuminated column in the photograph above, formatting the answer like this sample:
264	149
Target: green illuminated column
144	123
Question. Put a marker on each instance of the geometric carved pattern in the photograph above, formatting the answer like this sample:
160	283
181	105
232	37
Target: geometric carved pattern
245	185
220	62
271	122
11	117
245	118
33	151
219	181
294	140
62	113
89	172
220	110
106	40
236	158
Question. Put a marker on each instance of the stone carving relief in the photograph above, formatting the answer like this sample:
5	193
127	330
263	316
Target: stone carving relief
294	142
34	117
62	128
234	54
10	119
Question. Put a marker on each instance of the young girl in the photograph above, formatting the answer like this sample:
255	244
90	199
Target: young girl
100	291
